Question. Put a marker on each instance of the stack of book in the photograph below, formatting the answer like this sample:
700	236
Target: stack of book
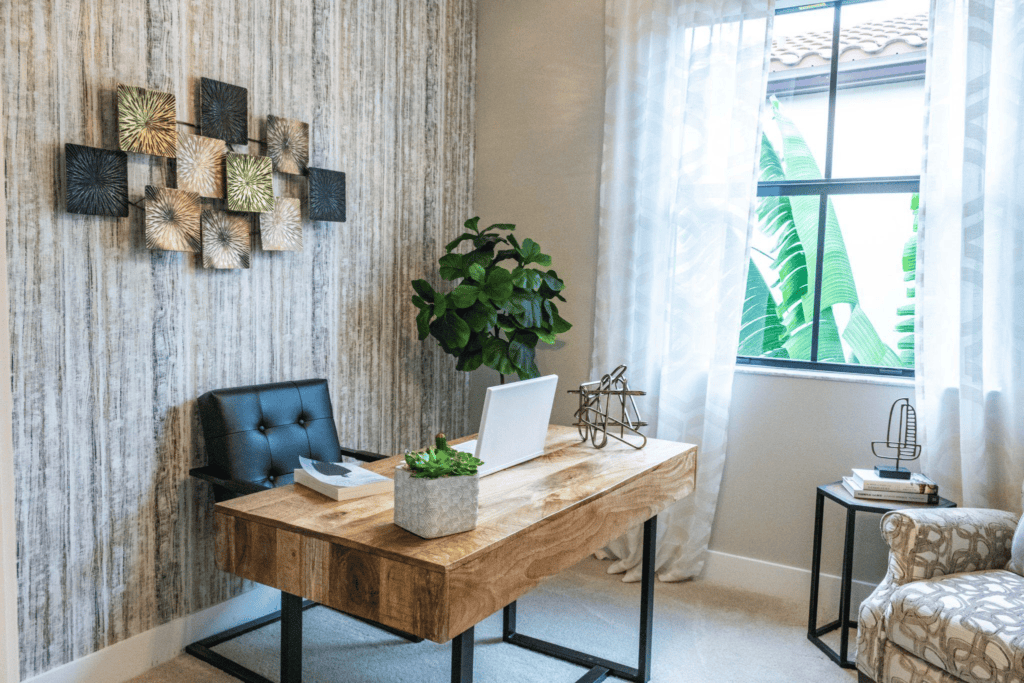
865	484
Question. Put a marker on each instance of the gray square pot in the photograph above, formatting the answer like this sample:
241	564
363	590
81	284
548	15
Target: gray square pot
431	508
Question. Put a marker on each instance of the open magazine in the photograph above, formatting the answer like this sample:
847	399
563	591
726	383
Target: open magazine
340	480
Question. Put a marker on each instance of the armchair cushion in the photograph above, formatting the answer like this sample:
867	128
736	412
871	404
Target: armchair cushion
966	624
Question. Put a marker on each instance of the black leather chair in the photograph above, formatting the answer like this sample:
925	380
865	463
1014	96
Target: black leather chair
254	436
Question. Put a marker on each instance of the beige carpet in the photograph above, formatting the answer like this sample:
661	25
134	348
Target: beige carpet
701	633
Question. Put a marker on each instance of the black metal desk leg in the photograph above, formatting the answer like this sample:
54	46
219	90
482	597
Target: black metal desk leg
291	638
819	513
508	621
462	657
844	598
647	600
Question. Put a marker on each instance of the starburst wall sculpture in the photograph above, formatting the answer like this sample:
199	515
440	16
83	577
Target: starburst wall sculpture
206	170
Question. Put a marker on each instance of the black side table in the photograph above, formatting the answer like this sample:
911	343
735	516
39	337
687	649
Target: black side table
838	493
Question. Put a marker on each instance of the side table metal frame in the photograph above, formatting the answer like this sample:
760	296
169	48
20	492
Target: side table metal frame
843	622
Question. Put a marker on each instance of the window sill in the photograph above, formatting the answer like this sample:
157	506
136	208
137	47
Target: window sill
881	380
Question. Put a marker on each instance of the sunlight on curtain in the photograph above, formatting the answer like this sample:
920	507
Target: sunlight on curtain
685	85
970	277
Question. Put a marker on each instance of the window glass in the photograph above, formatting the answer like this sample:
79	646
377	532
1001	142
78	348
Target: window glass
779	303
799	75
875	316
879	123
862	320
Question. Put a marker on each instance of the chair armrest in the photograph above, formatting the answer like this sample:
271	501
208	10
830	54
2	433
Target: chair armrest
215	476
928	543
365	456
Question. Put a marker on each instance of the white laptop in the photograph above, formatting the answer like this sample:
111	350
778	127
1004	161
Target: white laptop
514	423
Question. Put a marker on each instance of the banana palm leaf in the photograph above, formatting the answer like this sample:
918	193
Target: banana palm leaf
761	330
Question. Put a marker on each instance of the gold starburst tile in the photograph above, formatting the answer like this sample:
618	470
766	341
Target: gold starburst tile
146	121
250	182
226	242
172	219
288	144
200	165
281	229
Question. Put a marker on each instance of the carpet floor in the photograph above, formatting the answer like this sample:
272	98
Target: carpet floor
702	633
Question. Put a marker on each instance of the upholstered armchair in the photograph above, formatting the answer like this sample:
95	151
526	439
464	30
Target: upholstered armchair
947	610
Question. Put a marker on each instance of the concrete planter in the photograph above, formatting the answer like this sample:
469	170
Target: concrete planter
431	508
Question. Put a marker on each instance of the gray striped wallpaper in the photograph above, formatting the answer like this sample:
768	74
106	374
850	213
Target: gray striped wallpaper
112	343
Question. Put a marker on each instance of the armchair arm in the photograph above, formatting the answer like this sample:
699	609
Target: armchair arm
365	456
234	488
936	542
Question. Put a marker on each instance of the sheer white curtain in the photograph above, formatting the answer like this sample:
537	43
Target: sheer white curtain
970	281
685	86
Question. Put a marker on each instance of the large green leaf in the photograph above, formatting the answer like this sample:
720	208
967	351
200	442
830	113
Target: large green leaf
498	286
761	329
451	332
865	343
523	357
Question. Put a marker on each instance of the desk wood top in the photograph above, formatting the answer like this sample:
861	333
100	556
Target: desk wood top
535	519
568	475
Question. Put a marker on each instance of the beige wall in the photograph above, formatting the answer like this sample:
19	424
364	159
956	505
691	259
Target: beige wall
540	100
540	112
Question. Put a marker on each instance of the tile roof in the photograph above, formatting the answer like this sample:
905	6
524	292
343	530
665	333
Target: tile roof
871	39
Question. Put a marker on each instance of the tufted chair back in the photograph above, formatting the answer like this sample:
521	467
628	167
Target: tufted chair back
254	435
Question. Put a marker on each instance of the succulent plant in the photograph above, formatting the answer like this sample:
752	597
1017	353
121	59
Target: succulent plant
441	461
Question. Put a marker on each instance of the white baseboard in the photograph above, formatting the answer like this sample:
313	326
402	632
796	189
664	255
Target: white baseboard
138	654
779	580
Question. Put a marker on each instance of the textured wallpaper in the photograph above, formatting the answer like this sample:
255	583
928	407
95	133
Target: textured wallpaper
112	343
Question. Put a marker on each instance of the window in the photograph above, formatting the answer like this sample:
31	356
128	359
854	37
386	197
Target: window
831	279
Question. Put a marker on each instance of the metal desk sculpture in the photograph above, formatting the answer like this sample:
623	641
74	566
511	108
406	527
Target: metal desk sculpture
904	444
593	418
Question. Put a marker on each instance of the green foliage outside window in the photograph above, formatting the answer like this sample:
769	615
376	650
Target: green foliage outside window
783	329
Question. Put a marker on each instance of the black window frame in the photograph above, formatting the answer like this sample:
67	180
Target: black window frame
813	82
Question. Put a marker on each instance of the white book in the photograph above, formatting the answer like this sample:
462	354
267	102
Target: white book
857	492
341	480
918	483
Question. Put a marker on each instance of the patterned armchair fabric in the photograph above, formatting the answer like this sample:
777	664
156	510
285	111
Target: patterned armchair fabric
926	544
967	624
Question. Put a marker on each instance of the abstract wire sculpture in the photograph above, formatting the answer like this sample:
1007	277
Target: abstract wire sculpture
593	417
905	444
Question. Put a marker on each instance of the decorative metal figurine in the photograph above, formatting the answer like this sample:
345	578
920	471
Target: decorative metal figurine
593	417
904	444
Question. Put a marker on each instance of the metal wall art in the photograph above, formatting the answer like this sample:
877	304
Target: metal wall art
594	415
205	169
96	181
281	229
226	240
326	195
250	183
223	111
288	144
200	165
146	121
900	441
172	219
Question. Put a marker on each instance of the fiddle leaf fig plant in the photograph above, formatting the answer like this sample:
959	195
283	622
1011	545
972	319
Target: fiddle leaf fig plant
502	303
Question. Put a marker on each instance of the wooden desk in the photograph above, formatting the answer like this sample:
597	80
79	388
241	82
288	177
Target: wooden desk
536	519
